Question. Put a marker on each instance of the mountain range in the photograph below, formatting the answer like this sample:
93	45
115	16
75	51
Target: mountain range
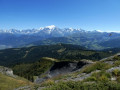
52	35
50	30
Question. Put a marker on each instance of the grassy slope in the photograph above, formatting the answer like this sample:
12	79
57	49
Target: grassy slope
9	83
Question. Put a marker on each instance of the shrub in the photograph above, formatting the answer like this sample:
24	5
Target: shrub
116	72
48	82
118	79
116	58
103	78
117	63
92	78
36	87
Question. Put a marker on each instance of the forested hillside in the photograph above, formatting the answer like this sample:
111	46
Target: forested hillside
61	52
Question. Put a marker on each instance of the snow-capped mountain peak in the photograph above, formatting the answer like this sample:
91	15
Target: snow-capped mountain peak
71	29
51	27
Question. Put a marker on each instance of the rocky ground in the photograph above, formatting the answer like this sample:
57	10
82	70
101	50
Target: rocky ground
74	71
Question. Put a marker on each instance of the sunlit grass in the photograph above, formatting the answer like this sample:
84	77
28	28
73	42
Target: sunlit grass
10	83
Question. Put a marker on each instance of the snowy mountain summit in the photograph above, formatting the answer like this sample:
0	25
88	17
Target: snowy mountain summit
51	27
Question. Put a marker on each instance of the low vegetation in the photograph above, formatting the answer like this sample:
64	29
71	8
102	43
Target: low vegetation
99	76
96	66
71	85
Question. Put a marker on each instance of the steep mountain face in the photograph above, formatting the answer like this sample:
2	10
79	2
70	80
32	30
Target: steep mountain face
52	35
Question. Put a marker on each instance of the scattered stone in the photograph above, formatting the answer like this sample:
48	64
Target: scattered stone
110	62
113	78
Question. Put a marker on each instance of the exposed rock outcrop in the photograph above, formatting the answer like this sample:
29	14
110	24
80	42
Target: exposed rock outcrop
64	67
6	71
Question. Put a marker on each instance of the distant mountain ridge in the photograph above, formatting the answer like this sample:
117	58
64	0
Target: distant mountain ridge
53	35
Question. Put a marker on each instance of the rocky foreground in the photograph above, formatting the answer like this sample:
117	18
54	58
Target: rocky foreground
105	71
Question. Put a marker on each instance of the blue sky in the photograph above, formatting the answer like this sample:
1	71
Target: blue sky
87	14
